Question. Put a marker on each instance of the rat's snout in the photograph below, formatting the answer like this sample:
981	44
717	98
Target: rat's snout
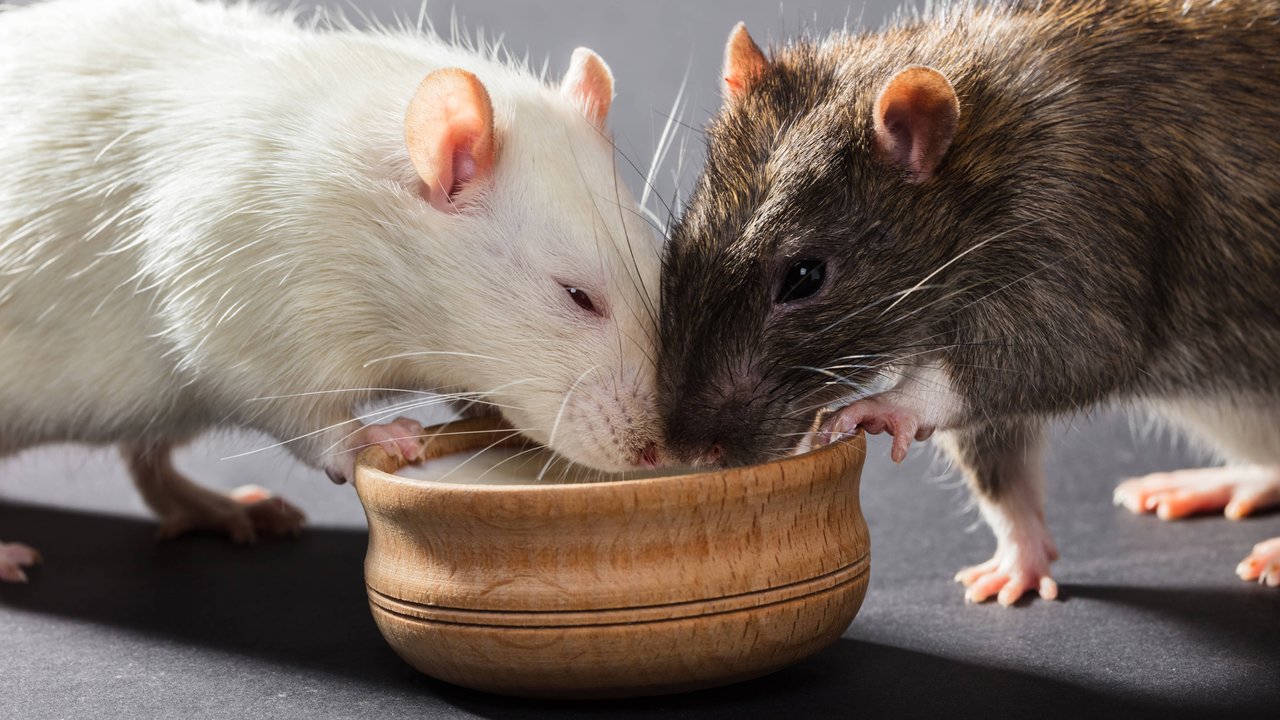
711	437
711	456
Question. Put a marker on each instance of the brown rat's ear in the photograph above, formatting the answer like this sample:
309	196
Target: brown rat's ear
744	63
915	120
589	86
449	131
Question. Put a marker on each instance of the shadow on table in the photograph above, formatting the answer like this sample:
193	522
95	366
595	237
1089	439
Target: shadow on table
302	603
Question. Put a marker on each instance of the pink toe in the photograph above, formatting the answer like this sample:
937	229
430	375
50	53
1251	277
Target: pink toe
983	588
901	443
1048	589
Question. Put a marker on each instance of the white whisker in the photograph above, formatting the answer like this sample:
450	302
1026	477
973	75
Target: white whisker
555	426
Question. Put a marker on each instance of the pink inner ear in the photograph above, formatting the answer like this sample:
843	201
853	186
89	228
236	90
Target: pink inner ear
450	136
589	86
744	63
464	170
900	146
916	119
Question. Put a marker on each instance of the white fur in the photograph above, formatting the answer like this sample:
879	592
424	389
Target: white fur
1236	429
204	205
926	391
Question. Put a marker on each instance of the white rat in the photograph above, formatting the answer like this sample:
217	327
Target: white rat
205	206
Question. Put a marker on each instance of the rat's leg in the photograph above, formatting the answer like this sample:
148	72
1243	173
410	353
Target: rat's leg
13	558
1002	463
1245	431
183	506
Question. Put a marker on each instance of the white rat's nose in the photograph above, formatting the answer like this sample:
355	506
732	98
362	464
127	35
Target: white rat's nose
648	458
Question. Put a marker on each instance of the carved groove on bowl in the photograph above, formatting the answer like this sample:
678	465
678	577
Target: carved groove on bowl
851	573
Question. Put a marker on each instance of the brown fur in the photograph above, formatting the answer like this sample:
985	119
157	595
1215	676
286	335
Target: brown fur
1112	195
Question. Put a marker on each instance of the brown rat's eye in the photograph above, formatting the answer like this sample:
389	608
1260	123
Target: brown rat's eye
580	297
804	278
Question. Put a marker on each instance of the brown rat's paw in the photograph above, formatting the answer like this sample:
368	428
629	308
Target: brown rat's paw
879	413
1011	573
241	515
13	558
1238	490
1263	564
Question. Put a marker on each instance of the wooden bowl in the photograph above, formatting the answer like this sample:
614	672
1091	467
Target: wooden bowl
611	589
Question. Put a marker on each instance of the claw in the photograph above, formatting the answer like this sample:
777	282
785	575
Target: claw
874	415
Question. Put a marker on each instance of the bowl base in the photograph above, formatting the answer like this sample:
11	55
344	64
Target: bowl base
624	659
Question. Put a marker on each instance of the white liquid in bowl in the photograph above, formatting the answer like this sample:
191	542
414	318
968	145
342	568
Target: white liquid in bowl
514	466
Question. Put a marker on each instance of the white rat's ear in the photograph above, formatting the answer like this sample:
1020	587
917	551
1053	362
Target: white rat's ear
915	120
744	64
589	85
449	131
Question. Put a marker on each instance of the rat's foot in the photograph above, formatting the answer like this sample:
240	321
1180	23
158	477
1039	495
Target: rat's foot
1263	564
1013	570
1238	490
13	558
401	438
877	414
241	514
183	506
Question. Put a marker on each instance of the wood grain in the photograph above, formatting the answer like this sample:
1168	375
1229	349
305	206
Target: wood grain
617	588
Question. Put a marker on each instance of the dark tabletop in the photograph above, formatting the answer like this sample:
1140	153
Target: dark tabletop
115	625
1152	618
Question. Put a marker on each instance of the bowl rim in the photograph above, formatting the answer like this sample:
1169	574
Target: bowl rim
374	461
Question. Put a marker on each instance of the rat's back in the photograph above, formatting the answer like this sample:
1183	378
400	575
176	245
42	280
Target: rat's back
145	144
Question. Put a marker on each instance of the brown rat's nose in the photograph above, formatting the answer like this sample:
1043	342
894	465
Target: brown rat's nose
714	453
711	457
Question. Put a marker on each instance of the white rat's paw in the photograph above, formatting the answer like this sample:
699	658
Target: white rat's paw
241	515
13	558
1238	490
1010	574
401	438
1263	564
886	412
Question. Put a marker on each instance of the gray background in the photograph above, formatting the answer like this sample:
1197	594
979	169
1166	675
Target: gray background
1153	618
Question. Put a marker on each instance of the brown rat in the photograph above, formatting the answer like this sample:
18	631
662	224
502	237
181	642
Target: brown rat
1000	214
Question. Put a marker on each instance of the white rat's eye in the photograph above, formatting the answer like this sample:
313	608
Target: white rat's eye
582	299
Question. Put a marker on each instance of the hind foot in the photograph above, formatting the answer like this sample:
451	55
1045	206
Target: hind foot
13	558
183	506
1263	564
241	515
1237	490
